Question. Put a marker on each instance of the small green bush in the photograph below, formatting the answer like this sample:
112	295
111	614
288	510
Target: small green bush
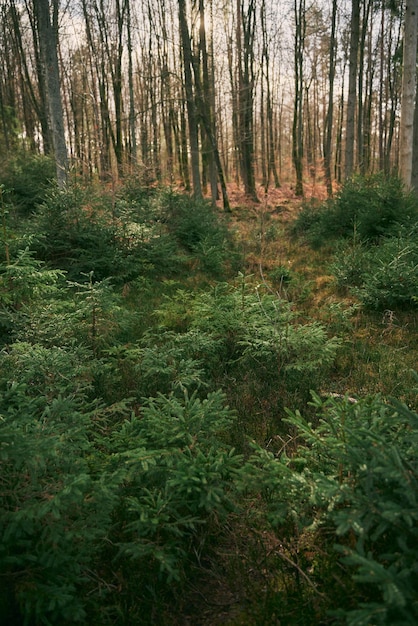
354	476
255	334
178	485
366	208
309	222
127	236
382	277
160	362
83	231
89	490
350	264
29	179
200	229
390	279
54	511
280	275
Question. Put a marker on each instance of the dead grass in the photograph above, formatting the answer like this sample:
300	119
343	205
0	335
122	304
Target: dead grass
380	349
253	576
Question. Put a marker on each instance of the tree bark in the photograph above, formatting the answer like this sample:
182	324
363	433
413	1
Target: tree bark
204	92
327	147
271	169
352	88
190	101
48	42
297	129
245	51
408	91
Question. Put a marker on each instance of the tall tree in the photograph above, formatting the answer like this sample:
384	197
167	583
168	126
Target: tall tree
352	87
271	169
190	99
205	93
330	106
297	129
408	91
48	44
33	88
245	38
132	117
362	129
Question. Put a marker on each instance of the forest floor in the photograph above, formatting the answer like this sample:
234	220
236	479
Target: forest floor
383	345
260	320
238	585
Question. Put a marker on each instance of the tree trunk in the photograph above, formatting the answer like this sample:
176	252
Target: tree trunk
297	129
327	147
269	138
39	103
352	88
132	117
408	91
246	80
190	101
205	95
362	103
414	168
48	42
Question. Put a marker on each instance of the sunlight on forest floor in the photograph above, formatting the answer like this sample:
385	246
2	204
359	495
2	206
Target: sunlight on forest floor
379	346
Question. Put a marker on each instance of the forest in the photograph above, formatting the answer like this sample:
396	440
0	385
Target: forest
208	313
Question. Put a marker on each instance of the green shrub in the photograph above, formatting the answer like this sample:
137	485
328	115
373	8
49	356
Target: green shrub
125	236
26	279
28	178
255	335
309	222
178	483
280	275
366	208
54	512
137	192
355	476
160	362
97	498
350	264
200	230
84	232
24	282
383	277
390	279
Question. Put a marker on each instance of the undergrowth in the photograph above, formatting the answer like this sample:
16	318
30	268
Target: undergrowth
175	427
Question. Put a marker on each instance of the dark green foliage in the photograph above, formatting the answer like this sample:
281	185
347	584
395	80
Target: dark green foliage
252	334
24	283
137	192
309	222
356	477
160	362
350	264
91	487
53	510
119	474
391	278
125	236
206	337
200	229
79	476
280	275
366	208
79	234
176	464
28	178
382	277
379	264
76	482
